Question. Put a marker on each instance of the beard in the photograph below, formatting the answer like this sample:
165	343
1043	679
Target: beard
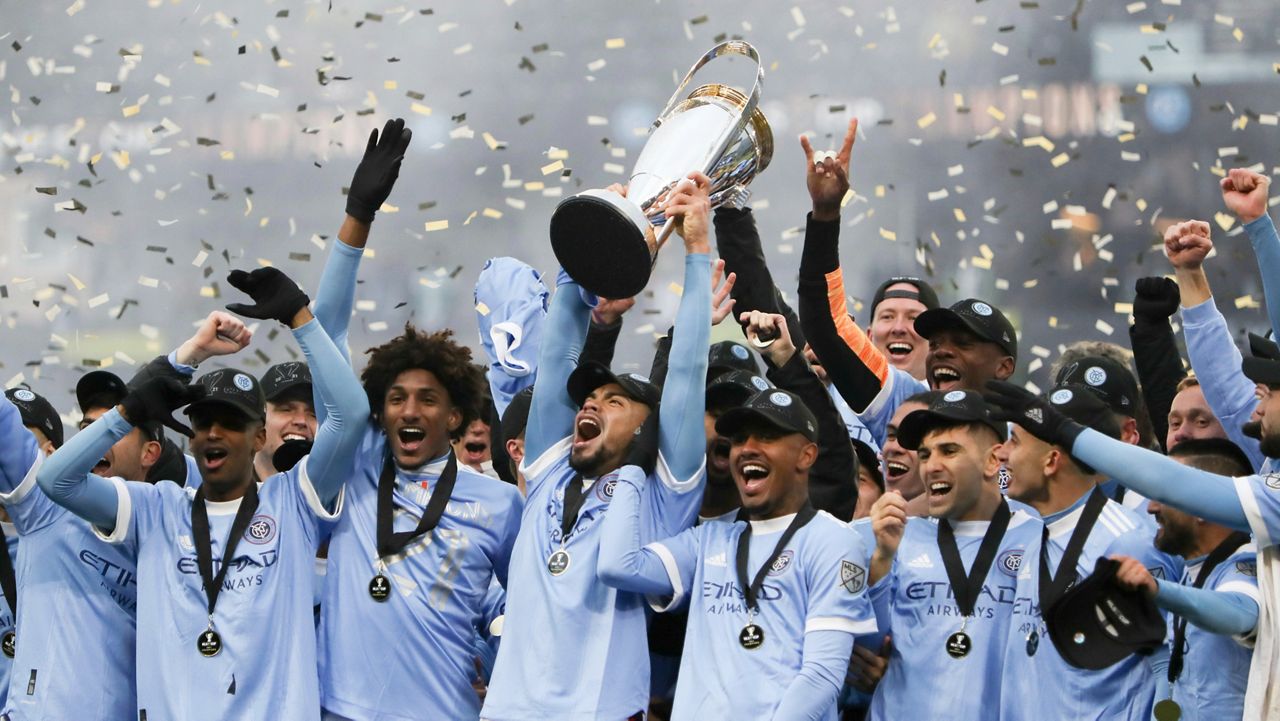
1175	539
1252	429
588	463
1269	444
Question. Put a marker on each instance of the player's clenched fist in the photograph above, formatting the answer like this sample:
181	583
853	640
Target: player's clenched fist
1134	576
1187	244
1245	193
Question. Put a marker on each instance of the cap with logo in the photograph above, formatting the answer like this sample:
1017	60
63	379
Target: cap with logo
776	407
869	459
231	387
726	356
948	409
100	389
1263	365
37	412
1079	403
591	375
1097	623
981	319
1106	379
734	388
283	377
923	292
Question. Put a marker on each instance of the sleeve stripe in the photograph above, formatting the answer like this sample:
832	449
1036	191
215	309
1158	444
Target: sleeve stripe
849	332
17	495
856	627
313	499
1244	490
676	485
124	515
538	466
673	574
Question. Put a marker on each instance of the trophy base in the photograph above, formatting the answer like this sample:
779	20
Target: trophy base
599	238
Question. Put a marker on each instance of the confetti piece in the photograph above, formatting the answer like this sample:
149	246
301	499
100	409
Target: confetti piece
1246	301
550	168
268	91
75	7
1103	326
1224	220
420	109
999	49
98	300
926	120
1060	160
888	234
434	225
615	43
146	282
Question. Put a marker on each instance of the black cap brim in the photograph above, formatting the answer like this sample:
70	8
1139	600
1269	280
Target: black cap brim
1262	370
591	375
253	414
735	419
917	424
95	384
933	321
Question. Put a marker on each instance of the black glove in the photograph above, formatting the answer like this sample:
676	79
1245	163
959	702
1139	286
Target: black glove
1018	405
378	170
1156	300
157	399
289	453
274	295
644	446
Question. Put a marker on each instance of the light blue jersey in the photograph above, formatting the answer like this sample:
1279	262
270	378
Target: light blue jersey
898	387
76	600
6	618
391	660
915	604
572	647
817	583
1042	680
1216	667
267	667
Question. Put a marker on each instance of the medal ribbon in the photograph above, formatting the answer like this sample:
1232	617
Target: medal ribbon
1052	587
575	495
204	545
1229	545
750	591
966	588
391	543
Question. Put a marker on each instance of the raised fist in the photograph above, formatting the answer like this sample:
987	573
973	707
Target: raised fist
1186	244
1245	193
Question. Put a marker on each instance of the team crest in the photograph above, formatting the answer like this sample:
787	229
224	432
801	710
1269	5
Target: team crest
24	395
852	576
604	490
243	382
781	563
1010	561
1273	481
1247	568
1095	376
261	530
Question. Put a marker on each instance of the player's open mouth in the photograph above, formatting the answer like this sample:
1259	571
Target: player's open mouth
944	376
754	474
214	458
588	429
101	466
898	349
938	489
293	437
896	470
476	448
411	438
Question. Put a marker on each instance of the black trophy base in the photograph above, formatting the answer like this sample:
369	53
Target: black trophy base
600	246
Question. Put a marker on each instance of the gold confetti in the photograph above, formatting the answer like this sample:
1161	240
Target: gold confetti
995	112
482	309
1246	301
555	167
615	43
1060	160
420	109
926	120
434	225
1224	220
888	234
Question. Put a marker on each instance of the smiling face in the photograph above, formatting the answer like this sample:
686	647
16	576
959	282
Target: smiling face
959	359
770	466
418	417
1267	415
473	447
893	331
954	465
1190	417
902	470
289	419
224	444
603	430
1026	458
130	457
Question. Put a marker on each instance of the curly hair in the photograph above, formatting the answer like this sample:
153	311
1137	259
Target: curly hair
436	353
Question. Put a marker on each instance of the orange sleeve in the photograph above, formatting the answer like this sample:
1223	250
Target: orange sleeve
849	332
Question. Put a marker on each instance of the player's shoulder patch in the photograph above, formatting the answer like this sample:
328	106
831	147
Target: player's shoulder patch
1247	568
852	576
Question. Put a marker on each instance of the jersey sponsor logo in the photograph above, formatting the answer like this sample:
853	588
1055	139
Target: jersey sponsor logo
921	561
120	582
852	576
781	563
1273	481
1010	561
1247	568
719	560
261	530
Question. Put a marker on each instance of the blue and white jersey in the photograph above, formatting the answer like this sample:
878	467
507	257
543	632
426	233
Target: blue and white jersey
916	606
392	659
1043	680
818	583
77	609
1215	667
267	667
572	647
898	387
852	423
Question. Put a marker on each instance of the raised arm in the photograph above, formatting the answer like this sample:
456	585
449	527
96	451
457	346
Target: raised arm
1229	613
18	448
738	242
1155	350
551	410
682	435
66	479
1245	194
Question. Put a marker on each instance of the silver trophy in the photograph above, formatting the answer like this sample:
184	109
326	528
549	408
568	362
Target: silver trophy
599	236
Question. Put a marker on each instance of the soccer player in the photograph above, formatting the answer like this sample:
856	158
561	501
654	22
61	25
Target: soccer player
291	418
1190	416
224	587
1214	606
573	647
133	456
78	593
1081	525
775	602
943	587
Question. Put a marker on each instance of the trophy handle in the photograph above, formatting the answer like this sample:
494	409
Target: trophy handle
730	47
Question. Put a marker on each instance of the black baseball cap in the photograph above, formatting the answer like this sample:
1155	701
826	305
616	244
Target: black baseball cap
516	416
286	376
1098	623
951	408
734	388
728	355
923	292
1081	404
868	459
37	412
1263	365
1105	378
775	406
591	375
100	389
980	318
231	387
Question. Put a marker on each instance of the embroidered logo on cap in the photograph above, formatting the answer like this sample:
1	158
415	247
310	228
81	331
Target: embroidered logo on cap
638	378
782	400
760	383
981	308
24	395
1062	395
243	382
738	352
1095	376
954	396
